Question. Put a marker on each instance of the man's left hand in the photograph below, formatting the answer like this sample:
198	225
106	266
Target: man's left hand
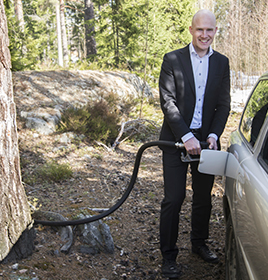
212	143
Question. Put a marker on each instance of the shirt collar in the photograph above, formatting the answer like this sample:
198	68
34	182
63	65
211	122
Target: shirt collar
192	50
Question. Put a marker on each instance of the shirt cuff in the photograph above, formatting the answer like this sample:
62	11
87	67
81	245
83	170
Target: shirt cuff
213	135
187	137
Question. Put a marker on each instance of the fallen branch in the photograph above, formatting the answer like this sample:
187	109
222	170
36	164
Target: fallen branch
103	145
132	127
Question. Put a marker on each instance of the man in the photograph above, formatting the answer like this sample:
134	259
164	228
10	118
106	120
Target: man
194	87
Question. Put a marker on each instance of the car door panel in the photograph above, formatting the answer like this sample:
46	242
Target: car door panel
245	166
250	198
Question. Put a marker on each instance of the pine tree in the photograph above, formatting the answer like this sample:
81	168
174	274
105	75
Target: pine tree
125	30
168	29
36	43
121	31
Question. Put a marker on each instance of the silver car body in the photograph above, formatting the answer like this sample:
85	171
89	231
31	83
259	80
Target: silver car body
246	189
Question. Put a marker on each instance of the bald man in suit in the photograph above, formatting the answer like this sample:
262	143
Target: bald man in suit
194	88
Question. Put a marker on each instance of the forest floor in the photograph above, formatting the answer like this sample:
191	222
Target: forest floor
99	179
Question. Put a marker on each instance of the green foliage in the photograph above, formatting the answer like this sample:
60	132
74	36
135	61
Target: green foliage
258	100
257	103
101	121
150	110
121	33
76	28
125	32
54	171
74	119
97	122
50	171
118	31
35	42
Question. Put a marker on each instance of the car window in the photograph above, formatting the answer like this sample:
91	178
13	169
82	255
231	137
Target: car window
255	113
263	157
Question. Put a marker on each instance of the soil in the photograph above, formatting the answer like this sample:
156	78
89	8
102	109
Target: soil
99	179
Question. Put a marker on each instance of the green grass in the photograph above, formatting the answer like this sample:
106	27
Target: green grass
53	171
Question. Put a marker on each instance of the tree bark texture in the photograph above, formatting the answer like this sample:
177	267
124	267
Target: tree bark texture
19	13
89	29
60	55
15	215
64	34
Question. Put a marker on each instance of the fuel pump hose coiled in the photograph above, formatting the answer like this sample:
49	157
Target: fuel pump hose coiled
124	196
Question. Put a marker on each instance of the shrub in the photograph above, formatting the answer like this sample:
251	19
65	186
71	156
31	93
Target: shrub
74	119
54	171
97	122
101	120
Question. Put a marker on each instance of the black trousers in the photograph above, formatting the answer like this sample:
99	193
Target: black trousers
174	172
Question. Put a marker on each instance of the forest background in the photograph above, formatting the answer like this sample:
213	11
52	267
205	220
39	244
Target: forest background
131	35
116	35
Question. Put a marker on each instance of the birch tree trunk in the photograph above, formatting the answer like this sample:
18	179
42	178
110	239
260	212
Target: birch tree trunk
64	35
19	13
60	56
15	217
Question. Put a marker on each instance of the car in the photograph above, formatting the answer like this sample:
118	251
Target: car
245	200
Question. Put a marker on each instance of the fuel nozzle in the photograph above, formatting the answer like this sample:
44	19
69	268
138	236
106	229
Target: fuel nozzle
186	157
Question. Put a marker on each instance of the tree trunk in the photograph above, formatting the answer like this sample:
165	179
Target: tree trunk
60	56
64	35
89	29
19	13
15	217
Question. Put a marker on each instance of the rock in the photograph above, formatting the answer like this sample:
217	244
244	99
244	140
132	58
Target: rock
39	125
66	233
15	266
66	137
89	250
41	97
23	248
97	234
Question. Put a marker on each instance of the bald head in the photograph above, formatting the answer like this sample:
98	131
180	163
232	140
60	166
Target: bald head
203	30
203	14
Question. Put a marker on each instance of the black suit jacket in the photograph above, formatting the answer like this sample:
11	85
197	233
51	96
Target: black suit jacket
177	95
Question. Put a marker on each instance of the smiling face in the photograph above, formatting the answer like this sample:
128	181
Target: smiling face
203	30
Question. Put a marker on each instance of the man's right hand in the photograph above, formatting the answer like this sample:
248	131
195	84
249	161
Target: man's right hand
192	146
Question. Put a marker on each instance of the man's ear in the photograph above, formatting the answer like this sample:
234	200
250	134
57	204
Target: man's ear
191	29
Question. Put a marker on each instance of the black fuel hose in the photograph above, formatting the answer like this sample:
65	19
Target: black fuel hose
124	196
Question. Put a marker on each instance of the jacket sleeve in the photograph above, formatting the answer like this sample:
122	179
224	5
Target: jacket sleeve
222	107
171	96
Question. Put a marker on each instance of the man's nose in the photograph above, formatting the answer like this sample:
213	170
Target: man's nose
204	33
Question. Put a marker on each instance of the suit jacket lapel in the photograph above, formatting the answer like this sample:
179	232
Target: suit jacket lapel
184	57
211	71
